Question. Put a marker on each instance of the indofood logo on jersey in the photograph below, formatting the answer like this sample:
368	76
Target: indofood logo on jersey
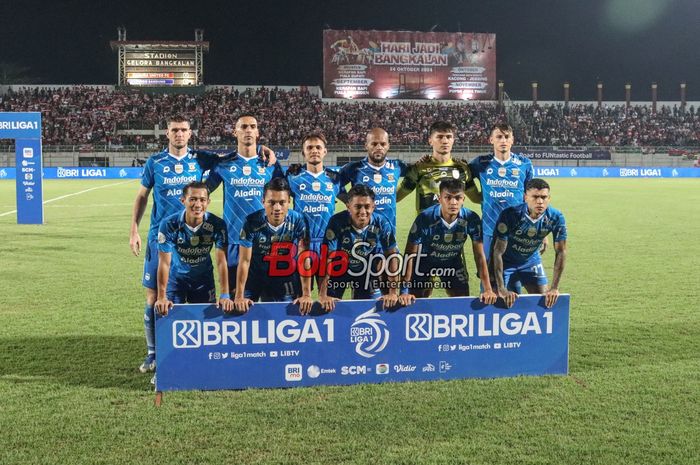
192	334
369	334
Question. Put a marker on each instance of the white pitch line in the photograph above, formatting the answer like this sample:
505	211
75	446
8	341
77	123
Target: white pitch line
74	193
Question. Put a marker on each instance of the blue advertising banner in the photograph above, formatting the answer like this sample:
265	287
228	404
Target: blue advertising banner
25	128
199	347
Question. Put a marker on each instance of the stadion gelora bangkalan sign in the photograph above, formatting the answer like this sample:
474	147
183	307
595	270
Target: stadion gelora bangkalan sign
198	347
409	65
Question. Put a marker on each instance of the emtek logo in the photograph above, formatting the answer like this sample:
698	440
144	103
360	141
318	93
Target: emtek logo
187	334
369	334
419	327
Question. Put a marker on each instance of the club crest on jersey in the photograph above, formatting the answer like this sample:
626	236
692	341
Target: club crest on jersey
377	178
247	170
502	172
330	235
516	172
459	237
502	228
194	240
531	232
179	168
206	238
329	186
316	186
161	238
261	170
448	237
455	174
191	166
166	169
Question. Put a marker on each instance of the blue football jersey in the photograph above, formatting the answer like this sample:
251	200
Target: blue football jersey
502	185
525	235
440	241
166	176
191	248
378	237
384	181
314	197
259	235
244	180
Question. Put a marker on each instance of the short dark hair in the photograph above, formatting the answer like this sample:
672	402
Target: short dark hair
501	126
195	185
245	115
442	126
277	185
360	190
452	185
177	118
314	135
536	183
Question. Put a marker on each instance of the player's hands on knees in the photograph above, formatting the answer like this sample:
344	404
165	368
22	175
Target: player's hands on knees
225	304
550	297
241	304
135	243
268	155
488	297
328	303
305	303
407	299
163	306
508	297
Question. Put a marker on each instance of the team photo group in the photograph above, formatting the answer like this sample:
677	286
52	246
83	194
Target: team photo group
281	234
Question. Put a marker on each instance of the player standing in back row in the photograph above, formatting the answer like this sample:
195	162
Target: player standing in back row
425	176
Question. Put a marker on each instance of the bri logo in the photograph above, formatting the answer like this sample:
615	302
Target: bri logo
187	334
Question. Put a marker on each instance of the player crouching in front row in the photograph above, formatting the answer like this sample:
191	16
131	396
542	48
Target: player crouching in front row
435	247
185	240
262	231
520	231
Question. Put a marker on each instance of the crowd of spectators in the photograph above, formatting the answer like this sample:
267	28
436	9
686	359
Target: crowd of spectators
99	115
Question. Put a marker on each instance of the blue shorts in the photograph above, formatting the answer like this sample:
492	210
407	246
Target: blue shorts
150	264
529	273
187	291
453	276
337	287
272	289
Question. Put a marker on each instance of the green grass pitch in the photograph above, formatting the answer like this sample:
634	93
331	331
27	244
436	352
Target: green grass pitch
71	337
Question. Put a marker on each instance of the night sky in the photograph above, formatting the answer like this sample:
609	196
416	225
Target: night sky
279	43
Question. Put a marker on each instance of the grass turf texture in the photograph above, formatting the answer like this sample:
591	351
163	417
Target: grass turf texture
72	336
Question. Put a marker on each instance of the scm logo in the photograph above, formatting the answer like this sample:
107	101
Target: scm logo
187	334
353	370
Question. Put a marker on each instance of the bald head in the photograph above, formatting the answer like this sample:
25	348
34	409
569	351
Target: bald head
377	146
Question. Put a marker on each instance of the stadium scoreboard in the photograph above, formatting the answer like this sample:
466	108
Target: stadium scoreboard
161	63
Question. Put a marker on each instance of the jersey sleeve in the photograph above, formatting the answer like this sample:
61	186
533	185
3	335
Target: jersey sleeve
502	226
206	159
148	178
301	229
213	180
415	235
529	174
559	231
220	236
388	238
403	167
330	239
167	237
246	237
409	182
474	227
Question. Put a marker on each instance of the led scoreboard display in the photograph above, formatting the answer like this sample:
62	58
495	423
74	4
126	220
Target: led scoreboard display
161	63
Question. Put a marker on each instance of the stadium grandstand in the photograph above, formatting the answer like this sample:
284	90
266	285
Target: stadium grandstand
81	119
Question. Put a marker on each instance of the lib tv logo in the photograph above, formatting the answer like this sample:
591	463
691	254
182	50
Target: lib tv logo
369	334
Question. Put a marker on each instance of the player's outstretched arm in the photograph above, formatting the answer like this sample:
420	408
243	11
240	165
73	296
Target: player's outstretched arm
499	249
163	305
305	302
224	301
140	204
552	294
487	296
391	299
408	183
327	303
268	155
240	303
